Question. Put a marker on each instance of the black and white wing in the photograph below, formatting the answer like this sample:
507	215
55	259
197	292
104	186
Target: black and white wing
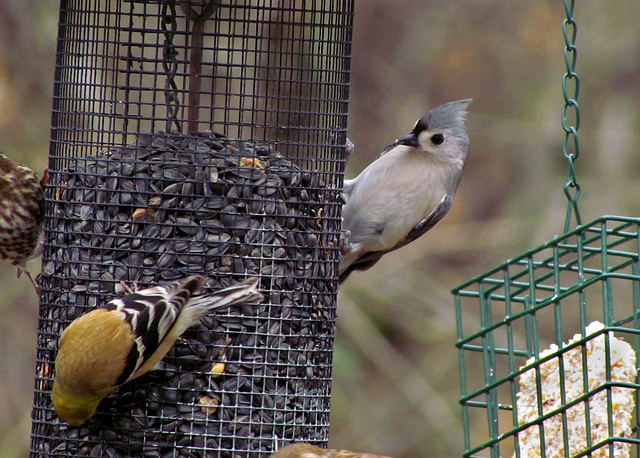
152	313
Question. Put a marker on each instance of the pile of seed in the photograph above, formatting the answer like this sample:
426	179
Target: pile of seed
167	207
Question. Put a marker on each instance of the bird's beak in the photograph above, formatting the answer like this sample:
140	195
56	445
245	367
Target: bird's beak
408	140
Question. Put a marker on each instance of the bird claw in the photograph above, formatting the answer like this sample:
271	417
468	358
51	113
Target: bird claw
349	148
346	148
126	289
345	241
33	282
21	270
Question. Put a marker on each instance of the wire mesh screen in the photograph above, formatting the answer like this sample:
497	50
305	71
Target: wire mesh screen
554	334
199	137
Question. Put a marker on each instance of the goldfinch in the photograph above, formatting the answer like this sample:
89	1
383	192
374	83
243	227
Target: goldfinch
127	337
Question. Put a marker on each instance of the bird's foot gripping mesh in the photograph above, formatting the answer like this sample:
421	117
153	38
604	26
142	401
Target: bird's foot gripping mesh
547	345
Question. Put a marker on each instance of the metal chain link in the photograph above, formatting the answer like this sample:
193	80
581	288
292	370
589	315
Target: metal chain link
570	148
170	64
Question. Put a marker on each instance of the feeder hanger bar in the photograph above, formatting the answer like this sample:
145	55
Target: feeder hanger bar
192	14
195	65
570	90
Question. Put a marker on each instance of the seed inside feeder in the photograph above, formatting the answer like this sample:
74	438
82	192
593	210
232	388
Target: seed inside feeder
165	208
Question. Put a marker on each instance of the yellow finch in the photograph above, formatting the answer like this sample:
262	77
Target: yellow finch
127	337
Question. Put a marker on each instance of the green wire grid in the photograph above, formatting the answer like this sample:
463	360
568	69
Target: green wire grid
542	297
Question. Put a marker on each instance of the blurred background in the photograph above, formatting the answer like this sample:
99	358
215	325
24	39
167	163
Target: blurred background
396	382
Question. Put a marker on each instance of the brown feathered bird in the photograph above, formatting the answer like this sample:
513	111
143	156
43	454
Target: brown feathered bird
21	214
302	450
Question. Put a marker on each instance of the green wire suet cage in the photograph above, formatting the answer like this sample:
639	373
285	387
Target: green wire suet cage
547	329
513	312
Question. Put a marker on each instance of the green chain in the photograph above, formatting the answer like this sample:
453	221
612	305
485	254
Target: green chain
570	149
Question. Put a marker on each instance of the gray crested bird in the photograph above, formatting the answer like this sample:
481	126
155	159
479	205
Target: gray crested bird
406	190
21	214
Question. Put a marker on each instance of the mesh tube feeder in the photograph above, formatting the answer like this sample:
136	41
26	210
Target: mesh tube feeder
201	137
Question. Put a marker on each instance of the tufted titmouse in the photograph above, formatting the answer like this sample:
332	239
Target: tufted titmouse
407	190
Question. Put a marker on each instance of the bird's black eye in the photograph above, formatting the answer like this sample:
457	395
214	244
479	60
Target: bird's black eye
437	139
